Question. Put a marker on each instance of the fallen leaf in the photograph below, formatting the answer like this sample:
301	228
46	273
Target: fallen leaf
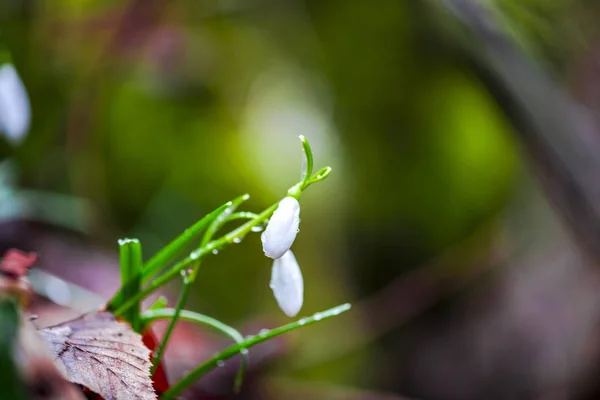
102	354
42	378
159	379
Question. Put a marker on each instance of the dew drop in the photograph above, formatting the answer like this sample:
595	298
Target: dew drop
215	251
318	316
263	332
220	363
237	240
302	321
244	352
257	228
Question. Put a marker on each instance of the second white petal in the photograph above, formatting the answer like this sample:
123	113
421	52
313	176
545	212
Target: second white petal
287	284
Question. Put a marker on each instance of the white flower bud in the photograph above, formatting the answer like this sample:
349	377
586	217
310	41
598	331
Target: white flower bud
14	105
287	284
282	228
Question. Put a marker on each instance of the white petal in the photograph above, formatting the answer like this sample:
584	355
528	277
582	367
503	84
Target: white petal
287	284
282	228
14	105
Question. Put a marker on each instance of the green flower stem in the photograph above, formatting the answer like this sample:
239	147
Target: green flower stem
168	313
213	228
130	260
242	347
297	189
242	231
167	335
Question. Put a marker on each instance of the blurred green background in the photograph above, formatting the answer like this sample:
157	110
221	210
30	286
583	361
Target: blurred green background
148	114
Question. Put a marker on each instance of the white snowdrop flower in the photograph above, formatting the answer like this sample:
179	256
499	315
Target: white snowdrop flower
287	284
282	228
14	105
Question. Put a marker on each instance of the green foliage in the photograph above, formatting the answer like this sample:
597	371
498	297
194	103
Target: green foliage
126	302
12	384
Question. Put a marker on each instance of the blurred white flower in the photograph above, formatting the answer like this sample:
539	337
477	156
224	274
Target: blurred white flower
14	105
287	284
282	228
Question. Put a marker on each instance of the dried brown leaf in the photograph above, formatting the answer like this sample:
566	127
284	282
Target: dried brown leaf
104	355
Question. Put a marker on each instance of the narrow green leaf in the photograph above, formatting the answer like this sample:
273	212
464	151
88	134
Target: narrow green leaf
166	313
307	161
168	253
243	347
130	257
164	256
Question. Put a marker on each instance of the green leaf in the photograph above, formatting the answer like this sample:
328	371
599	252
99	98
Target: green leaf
168	253
10	378
243	347
163	257
165	313
130	251
307	162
